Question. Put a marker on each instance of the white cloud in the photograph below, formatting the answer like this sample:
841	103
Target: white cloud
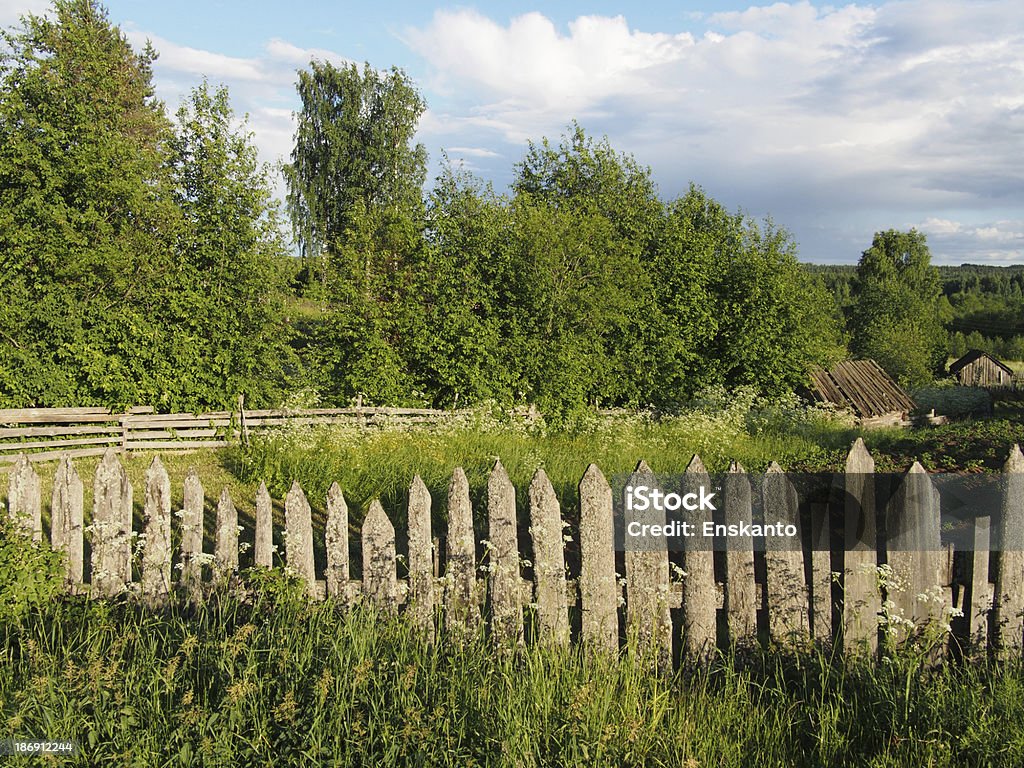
11	11
814	114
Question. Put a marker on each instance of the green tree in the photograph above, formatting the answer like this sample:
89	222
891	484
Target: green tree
896	315
353	156
85	206
229	278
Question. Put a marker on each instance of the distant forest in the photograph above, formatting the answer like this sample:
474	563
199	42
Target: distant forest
982	307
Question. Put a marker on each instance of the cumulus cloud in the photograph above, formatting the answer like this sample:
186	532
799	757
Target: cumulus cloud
815	114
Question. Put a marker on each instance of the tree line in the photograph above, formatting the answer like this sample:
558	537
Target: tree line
143	260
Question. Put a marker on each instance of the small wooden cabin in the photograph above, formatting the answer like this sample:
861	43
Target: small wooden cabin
980	369
864	388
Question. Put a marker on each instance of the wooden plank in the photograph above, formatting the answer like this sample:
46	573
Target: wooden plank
915	590
111	527
9	432
648	620
700	590
173	434
156	553
25	415
24	499
299	536
190	445
546	531
193	507
380	584
67	509
787	588
264	541
421	560
598	588
861	599
161	419
821	573
52	455
225	553
336	542
503	559
461	599
740	590
112	440
977	606
1008	621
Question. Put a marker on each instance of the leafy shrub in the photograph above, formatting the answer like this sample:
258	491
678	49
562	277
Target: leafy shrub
31	574
953	400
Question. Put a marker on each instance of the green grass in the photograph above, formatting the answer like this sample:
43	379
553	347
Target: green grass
276	682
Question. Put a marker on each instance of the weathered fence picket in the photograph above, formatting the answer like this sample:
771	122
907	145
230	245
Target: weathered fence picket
598	586
67	514
1008	609
503	559
787	593
547	533
336	542
263	543
861	598
298	547
111	528
741	591
380	583
798	596
648	617
700	592
225	554
192	508
421	559
156	552
24	503
462	612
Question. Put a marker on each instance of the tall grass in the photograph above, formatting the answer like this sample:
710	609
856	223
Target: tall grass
275	681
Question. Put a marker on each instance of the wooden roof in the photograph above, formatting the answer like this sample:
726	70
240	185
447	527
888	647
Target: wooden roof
862	386
972	356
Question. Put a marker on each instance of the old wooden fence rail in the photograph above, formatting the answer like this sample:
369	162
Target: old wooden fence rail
45	434
716	598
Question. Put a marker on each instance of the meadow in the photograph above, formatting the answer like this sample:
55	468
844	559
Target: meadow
258	676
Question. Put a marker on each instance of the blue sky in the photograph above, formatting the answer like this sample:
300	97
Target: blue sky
835	120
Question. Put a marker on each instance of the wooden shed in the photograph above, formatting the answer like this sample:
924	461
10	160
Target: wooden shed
866	389
980	369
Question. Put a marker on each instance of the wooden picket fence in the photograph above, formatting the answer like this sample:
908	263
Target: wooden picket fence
781	596
45	434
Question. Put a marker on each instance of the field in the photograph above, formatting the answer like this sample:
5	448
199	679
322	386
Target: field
272	680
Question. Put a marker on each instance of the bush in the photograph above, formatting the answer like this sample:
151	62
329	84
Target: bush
953	400
31	574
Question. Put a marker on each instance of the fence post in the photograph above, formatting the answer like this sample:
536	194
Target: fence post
786	585
156	554
462	611
861	598
380	584
421	580
263	544
821	573
66	519
226	552
24	503
599	591
192	508
1009	587
916	588
503	559
648	617
700	591
111	527
740	589
546	532
298	521
336	542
